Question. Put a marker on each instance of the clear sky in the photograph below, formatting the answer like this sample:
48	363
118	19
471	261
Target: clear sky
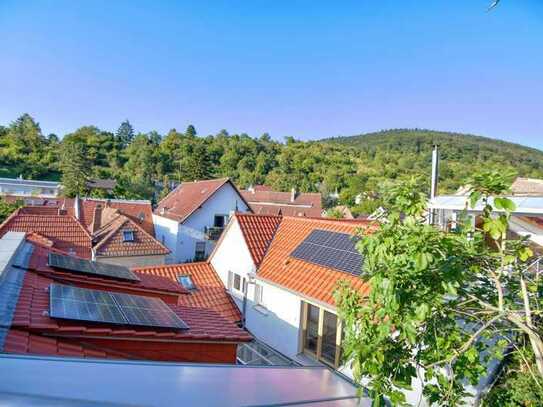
308	69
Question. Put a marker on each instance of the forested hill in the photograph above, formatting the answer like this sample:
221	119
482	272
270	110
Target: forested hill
460	154
145	164
455	146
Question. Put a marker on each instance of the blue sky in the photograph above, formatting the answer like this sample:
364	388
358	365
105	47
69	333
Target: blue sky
307	69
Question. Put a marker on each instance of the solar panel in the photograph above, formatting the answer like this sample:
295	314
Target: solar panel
82	304
91	267
330	249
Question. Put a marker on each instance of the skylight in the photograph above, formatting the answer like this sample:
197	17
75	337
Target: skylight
187	283
128	235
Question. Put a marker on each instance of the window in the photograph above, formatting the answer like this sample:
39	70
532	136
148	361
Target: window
311	337
219	221
187	283
200	252
258	294
236	282
321	334
128	235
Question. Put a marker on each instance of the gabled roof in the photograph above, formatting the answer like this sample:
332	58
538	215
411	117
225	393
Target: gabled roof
264	201
310	280
64	231
210	291
109	241
187	197
100	226
258	232
31	330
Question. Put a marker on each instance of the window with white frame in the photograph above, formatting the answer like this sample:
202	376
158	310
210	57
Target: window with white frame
259	294
236	282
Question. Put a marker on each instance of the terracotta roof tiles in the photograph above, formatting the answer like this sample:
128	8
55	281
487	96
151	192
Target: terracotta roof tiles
308	279
258	232
210	291
179	204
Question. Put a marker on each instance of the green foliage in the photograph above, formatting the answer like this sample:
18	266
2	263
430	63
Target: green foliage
441	304
75	169
7	208
366	165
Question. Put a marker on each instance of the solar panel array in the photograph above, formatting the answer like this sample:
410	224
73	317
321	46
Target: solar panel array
82	304
91	267
330	249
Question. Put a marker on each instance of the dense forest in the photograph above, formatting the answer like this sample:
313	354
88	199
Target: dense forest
146	165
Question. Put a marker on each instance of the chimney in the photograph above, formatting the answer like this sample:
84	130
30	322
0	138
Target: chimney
97	219
292	194
435	172
251	188
76	208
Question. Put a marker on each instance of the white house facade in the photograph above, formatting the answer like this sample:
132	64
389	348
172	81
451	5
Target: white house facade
26	187
190	220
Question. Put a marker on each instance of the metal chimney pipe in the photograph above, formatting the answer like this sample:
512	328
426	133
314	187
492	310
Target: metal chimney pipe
433	186
435	172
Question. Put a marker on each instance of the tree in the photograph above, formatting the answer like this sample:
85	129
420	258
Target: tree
191	131
7	208
441	304
75	169
125	134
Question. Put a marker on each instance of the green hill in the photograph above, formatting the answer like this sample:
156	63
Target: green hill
460	154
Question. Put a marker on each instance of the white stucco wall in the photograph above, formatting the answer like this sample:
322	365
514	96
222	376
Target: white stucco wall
166	231
183	246
233	255
279	324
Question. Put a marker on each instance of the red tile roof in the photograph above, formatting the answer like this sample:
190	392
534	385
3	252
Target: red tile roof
110	243
258	232
210	291
23	342
32	310
100	226
64	231
39	263
267	202
179	204
308	279
33	331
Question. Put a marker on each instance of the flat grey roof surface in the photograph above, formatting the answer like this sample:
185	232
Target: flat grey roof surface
528	205
27	380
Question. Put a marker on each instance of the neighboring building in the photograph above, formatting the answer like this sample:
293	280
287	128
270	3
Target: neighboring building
191	218
527	187
264	201
111	231
526	220
53	304
26	187
287	302
105	186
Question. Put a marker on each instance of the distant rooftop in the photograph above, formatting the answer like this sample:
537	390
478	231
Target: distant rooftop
29	182
525	205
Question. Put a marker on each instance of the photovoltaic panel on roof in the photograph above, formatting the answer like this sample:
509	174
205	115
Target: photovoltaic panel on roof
330	249
91	267
82	304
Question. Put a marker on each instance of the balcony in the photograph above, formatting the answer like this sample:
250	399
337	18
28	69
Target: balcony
213	232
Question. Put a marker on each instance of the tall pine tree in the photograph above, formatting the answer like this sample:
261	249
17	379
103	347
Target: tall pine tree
75	169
